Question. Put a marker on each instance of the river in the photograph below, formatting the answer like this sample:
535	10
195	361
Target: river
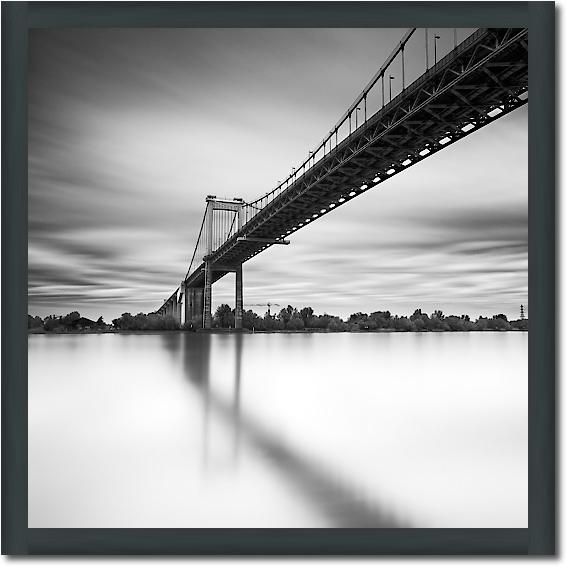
278	430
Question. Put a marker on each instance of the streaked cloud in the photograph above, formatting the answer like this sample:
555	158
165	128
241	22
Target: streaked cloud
129	130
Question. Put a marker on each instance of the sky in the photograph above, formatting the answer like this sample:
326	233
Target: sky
130	129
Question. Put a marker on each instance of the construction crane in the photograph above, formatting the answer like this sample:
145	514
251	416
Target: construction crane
268	305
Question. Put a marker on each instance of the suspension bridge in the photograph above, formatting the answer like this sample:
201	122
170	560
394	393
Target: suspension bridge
481	78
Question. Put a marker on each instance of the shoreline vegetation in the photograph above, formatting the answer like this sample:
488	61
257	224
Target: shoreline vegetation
287	320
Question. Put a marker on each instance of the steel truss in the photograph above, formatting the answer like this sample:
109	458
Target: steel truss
482	79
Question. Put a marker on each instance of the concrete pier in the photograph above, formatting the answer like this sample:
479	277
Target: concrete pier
207	311
239	297
194	303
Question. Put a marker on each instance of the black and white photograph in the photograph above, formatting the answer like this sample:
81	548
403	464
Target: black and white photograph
278	277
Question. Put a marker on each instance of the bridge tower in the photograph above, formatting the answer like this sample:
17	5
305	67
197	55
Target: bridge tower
215	234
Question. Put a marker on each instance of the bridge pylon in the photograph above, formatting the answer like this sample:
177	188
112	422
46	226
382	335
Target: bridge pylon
223	218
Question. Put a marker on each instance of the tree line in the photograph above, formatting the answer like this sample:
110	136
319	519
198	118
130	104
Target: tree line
68	323
288	318
74	322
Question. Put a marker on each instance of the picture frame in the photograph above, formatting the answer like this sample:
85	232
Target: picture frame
538	538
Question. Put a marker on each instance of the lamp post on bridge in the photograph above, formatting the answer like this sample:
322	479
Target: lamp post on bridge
436	37
391	78
426	47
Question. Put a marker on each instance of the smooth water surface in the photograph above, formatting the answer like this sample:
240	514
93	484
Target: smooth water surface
278	430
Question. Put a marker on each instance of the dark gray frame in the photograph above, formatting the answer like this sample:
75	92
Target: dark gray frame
539	538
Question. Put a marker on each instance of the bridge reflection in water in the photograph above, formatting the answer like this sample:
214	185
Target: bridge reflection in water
341	504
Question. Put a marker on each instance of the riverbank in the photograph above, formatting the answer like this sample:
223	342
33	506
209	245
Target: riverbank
247	331
289	320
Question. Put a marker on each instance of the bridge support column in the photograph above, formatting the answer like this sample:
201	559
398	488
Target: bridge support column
194	305
207	310
179	307
188	300
182	301
239	297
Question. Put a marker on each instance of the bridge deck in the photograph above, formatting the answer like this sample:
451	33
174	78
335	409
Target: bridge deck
482	79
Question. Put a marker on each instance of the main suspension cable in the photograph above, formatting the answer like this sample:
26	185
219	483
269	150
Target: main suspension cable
196	247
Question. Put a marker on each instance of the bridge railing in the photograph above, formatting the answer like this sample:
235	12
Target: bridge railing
417	51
